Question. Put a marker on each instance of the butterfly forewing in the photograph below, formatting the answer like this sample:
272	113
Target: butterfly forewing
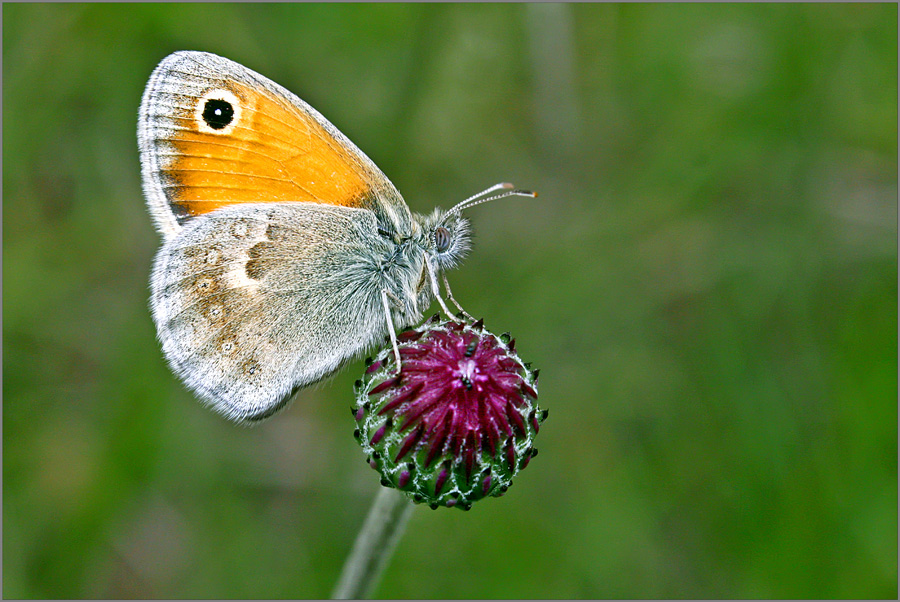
213	133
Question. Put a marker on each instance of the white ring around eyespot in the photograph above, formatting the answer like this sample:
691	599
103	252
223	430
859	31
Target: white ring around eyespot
218	94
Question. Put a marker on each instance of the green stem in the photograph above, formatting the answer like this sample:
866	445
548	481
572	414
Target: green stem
374	545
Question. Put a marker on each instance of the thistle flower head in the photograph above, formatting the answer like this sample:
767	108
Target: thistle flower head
457	422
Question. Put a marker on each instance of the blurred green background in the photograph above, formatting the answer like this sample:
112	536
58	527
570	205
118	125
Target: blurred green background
708	282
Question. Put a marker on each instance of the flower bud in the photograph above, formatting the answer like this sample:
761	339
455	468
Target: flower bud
457	422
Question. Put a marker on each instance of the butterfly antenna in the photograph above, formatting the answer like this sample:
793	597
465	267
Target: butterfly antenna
501	185
477	198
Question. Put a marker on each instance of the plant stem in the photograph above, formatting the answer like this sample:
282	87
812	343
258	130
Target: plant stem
374	545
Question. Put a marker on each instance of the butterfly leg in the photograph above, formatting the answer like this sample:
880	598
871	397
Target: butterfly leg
390	323
437	290
452	300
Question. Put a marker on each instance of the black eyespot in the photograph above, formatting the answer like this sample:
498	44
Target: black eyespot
218	113
441	239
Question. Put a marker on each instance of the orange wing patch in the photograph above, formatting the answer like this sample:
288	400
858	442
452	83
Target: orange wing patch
262	151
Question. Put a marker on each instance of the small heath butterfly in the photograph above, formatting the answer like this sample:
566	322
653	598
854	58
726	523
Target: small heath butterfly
286	252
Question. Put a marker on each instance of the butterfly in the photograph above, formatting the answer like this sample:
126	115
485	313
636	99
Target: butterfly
285	251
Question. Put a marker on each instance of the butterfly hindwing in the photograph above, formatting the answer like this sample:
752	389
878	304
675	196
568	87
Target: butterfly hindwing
249	306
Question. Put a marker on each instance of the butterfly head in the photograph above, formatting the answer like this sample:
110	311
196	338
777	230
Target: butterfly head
446	238
448	234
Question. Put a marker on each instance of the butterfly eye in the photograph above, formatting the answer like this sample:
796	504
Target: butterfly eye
441	239
218	113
